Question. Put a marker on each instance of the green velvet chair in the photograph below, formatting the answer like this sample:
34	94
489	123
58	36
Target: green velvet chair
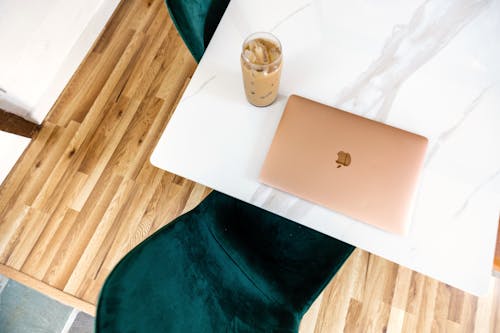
226	266
196	21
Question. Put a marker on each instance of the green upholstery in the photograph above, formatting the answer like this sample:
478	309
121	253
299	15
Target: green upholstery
196	21
226	266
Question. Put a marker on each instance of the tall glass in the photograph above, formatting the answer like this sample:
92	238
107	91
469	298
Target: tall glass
261	62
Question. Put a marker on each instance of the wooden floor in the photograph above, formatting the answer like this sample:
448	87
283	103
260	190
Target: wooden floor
84	193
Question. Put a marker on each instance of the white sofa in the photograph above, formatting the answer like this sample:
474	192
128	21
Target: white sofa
12	147
42	43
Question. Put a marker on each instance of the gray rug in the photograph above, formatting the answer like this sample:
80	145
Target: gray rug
24	310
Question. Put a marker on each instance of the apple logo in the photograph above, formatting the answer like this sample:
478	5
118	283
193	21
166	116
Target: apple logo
344	159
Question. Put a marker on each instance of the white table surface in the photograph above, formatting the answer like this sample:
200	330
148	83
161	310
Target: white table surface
430	67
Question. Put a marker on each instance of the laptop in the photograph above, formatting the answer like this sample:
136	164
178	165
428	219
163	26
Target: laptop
353	165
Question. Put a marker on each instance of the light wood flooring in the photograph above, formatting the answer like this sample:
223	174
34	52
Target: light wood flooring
84	194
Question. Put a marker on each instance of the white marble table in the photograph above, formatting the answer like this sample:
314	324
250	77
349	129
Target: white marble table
430	67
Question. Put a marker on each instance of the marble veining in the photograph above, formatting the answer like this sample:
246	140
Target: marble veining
478	188
446	135
286	18
199	89
408	48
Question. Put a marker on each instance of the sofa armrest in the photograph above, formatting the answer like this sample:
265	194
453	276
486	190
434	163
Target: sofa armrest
12	123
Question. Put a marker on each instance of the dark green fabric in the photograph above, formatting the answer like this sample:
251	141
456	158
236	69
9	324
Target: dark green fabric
226	266
196	21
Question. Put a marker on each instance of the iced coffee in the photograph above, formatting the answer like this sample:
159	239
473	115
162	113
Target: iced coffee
261	62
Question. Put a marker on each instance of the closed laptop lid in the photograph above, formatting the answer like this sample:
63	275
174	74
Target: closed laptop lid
356	166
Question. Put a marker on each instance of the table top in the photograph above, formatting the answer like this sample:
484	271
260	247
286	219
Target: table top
427	67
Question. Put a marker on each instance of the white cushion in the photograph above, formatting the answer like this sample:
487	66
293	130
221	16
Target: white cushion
11	148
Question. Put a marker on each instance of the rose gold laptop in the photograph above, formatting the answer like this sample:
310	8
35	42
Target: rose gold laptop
356	166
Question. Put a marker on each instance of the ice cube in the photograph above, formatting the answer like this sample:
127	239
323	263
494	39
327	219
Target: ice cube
274	54
260	51
250	56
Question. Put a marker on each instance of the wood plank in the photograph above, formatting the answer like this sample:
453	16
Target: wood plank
469	311
72	244
23	165
81	98
427	305
26	239
442	302
89	263
47	247
336	311
54	226
401	288
119	18
485	306
396	320
131	211
495	308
